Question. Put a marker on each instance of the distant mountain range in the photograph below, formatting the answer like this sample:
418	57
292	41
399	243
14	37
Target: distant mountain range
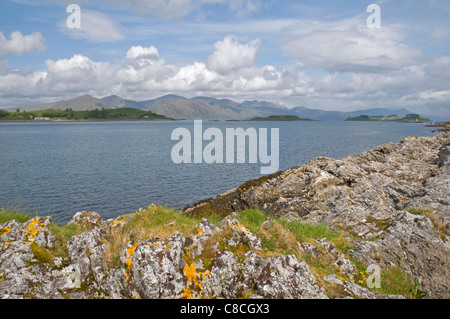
206	108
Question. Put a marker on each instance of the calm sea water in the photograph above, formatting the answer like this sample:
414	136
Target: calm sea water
113	168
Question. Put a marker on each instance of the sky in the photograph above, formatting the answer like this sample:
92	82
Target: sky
325	54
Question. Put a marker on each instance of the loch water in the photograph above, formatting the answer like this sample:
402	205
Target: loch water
59	168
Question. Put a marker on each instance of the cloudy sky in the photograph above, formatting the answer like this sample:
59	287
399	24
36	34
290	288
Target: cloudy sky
314	53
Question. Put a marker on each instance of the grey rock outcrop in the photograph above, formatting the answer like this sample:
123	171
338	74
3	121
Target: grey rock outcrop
367	196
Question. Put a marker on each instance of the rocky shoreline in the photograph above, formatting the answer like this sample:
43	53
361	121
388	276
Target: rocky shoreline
387	207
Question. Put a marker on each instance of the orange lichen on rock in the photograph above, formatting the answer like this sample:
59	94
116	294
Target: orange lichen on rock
6	243
130	252
118	223
194	279
199	231
4	231
239	227
33	229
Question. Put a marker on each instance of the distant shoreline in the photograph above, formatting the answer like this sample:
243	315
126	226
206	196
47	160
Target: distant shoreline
410	118
86	121
445	126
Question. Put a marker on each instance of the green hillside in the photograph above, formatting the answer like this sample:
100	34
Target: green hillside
410	118
283	118
71	115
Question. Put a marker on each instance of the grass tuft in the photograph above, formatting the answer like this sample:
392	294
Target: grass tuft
41	254
13	213
395	281
155	221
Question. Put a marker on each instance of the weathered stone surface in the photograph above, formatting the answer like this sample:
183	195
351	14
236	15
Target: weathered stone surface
242	235
157	267
281	277
344	265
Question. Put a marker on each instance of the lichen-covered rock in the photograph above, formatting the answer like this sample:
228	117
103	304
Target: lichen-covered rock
412	243
86	253
223	280
281	277
33	231
88	219
344	265
242	235
358	292
156	267
203	232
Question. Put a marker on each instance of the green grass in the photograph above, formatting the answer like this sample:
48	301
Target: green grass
252	219
395	281
419	211
13	213
42	255
160	222
285	234
67	231
305	232
275	241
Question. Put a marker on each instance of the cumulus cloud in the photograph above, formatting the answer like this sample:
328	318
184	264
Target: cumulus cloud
142	69
95	27
230	55
78	74
20	44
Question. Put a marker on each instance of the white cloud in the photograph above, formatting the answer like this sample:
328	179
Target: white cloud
78	74
95	27
244	7
141	53
142	68
20	44
352	51
230	55
439	68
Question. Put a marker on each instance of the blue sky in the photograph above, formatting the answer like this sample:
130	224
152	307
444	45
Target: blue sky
317	54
